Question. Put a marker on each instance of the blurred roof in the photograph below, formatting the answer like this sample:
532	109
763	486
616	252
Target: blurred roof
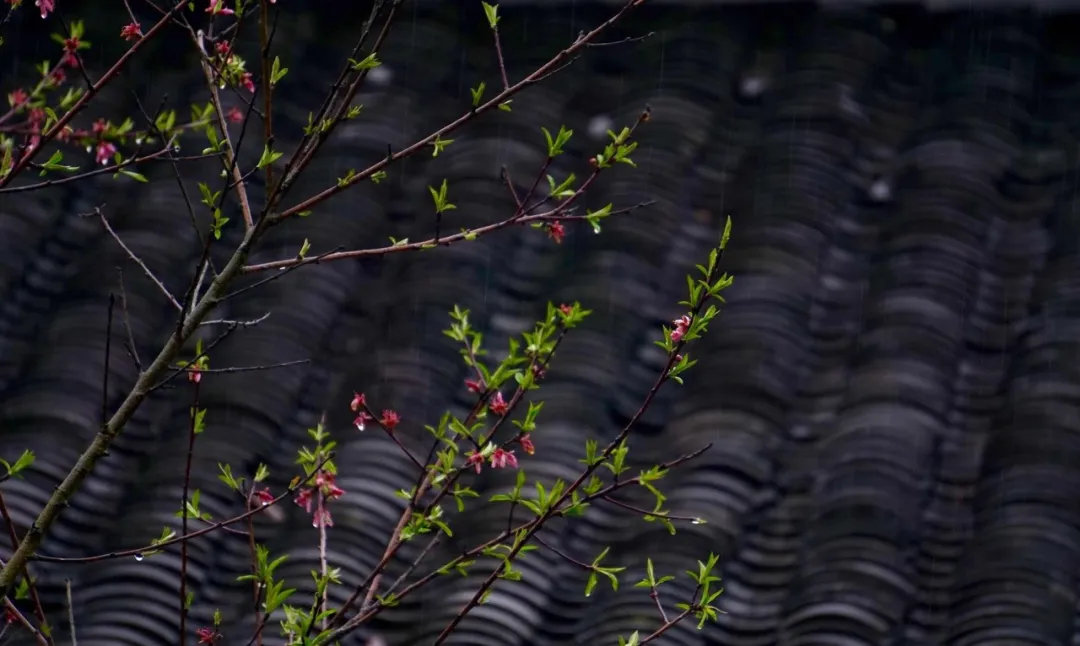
890	393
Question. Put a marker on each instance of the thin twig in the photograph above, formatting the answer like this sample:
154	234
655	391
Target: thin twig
31	586
138	261
49	183
547	216
139	551
223	125
499	56
192	431
71	613
491	104
646	512
236	323
9	607
566	557
105	363
225	371
256	584
624	41
133	351
310	144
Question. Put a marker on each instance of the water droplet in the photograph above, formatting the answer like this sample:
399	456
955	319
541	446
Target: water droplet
881	191
698	521
139	556
381	75
599	125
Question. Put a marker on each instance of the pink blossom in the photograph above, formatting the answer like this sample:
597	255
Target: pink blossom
218	7
264	496
17	97
325	482
131	31
498	405
104	153
556	231
475	460
682	324
526	444
475	386
389	420
501	459
303	499
46	6
322	518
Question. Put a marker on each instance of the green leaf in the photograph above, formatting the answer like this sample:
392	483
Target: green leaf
268	156
492	13
555	144
277	72
25	460
135	176
477	93
370	62
590	585
439	144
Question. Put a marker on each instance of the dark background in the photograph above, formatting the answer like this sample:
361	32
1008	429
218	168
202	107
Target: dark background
892	391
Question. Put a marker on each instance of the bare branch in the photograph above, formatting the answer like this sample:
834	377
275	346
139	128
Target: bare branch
133	351
138	261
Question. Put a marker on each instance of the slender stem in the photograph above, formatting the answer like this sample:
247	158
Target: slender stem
223	126
138	261
31	585
547	216
184	511
256	585
579	44
267	83
71	612
139	551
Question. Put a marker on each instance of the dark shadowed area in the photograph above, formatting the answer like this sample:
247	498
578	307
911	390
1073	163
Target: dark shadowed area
892	390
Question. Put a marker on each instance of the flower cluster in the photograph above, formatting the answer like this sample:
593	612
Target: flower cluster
500	458
230	66
322	493
389	419
207	635
682	324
